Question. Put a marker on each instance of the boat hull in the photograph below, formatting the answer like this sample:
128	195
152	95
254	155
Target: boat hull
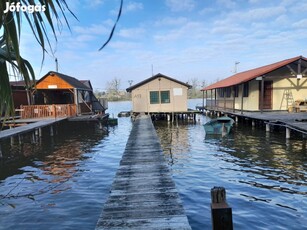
221	125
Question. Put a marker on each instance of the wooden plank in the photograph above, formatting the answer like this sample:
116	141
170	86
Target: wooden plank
27	128
143	194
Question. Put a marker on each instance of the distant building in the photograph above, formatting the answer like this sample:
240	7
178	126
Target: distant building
274	87
158	94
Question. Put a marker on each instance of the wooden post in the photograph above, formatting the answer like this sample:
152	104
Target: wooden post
20	139
288	131
36	132
234	99
1	156
262	95
221	213
204	101
40	132
54	109
51	131
242	98
267	127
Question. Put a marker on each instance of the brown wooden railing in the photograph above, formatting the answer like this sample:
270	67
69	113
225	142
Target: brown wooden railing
42	111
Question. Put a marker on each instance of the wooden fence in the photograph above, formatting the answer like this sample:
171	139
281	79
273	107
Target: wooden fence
42	111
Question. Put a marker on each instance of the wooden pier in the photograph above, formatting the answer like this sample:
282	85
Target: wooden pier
296	122
35	124
143	194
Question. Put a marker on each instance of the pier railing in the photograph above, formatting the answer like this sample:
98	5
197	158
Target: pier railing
225	104
44	111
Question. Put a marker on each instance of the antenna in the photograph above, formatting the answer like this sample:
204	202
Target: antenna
236	66
56	65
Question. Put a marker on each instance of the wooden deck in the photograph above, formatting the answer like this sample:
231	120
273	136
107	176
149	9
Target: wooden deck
35	124
294	121
143	194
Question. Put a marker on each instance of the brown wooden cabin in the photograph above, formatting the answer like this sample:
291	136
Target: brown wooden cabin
20	94
59	95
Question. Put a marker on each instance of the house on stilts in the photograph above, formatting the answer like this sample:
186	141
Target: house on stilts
60	95
281	86
160	95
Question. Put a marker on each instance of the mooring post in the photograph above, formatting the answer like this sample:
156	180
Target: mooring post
221	213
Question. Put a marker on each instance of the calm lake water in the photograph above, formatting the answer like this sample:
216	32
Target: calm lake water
62	182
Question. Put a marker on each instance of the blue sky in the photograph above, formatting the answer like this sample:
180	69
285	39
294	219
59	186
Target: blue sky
184	39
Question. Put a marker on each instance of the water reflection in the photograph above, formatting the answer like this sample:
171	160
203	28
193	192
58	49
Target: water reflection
262	171
45	166
174	140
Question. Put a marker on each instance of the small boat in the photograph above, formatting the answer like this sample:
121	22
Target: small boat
221	125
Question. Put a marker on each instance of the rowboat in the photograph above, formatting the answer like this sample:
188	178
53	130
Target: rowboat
221	125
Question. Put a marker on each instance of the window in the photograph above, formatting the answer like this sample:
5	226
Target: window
228	91
165	97
157	97
245	89
221	92
154	97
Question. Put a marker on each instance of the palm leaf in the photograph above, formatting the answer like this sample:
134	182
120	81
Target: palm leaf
114	26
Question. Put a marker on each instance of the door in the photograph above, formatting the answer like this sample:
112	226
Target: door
267	94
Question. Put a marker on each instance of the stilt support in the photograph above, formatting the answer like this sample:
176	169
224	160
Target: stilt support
288	133
267	127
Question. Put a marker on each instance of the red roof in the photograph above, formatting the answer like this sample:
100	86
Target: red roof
248	75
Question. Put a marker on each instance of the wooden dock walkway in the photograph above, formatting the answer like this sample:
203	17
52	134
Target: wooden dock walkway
29	127
143	194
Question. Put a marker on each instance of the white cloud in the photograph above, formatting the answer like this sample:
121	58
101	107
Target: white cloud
227	3
96	29
300	24
133	6
182	5
171	21
131	33
93	3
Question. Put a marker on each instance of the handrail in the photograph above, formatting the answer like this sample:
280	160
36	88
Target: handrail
45	111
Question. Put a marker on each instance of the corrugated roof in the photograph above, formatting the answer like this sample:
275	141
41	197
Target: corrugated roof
153	78
75	83
248	75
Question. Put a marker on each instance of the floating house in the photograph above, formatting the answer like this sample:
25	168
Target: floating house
159	94
279	86
59	95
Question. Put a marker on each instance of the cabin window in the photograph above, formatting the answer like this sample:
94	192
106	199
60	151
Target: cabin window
236	91
165	98
228	92
154	97
245	89
221	92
